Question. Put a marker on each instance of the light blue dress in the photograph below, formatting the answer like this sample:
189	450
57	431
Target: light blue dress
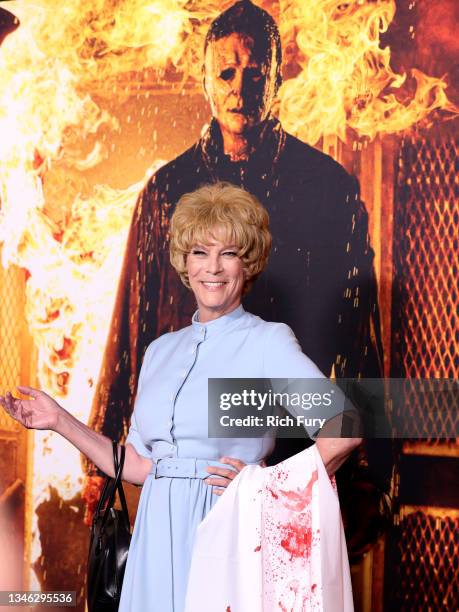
169	425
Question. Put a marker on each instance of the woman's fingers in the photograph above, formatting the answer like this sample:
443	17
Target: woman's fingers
35	393
236	463
220	484
13	407
5	404
10	404
229	473
225	472
36	413
217	482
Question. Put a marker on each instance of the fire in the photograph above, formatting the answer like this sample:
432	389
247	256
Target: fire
345	79
58	71
62	72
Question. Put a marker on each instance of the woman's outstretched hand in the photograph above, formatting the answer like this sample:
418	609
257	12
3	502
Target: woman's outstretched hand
40	412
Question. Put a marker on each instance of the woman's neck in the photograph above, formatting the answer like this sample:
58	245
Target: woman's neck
206	315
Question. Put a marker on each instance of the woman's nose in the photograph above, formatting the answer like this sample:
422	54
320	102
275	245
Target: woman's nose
214	265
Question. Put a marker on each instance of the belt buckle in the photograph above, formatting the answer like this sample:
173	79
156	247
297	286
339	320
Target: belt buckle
179	467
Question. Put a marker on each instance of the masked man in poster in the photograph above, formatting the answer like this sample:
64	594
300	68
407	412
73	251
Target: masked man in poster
320	278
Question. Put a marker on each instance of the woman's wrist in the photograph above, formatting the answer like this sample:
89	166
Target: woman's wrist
62	421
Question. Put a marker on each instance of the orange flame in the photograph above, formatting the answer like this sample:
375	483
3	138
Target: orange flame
346	80
67	236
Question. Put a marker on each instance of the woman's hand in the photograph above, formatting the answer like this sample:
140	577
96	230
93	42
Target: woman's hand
41	412
226	474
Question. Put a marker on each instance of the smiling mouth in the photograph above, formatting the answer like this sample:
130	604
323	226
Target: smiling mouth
213	284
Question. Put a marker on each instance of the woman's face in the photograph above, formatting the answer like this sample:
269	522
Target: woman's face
217	277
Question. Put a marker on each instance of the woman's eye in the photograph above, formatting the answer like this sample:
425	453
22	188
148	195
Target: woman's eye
230	253
197	252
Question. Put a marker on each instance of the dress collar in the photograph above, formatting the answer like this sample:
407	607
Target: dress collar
205	330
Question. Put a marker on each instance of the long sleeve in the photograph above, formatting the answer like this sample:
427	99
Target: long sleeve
134	436
284	358
293	375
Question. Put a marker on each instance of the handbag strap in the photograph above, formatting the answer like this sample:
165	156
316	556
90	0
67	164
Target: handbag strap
109	486
119	483
103	497
112	485
118	466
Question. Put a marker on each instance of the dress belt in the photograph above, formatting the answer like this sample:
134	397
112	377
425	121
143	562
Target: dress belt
178	467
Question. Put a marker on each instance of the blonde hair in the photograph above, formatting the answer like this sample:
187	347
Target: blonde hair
216	209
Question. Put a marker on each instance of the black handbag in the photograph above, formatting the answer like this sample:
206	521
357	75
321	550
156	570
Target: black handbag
109	544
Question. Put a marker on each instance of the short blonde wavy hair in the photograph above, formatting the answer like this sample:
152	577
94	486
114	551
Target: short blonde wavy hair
227	210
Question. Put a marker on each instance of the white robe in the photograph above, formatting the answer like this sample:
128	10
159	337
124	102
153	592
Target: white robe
273	542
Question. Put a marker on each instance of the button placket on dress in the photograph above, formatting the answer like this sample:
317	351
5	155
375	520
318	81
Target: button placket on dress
183	378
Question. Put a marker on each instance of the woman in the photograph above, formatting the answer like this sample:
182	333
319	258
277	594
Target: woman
220	243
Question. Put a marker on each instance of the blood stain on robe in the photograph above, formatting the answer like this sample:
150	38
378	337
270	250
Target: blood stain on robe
296	540
298	500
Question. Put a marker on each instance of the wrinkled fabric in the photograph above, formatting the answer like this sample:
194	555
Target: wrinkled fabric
274	542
